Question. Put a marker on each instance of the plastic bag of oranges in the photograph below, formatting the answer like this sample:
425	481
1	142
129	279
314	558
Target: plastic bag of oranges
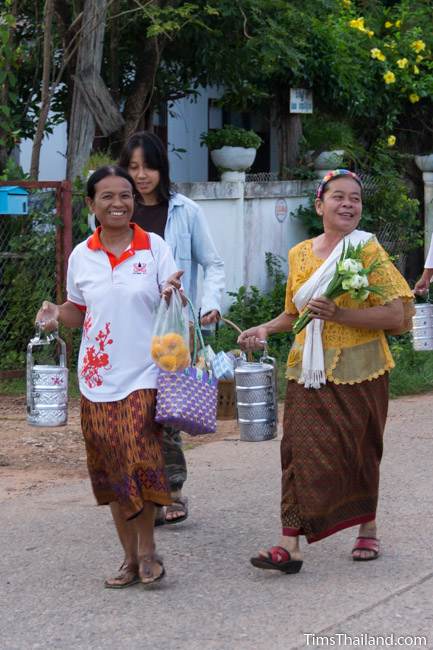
170	340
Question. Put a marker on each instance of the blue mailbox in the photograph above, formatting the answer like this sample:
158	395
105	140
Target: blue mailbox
13	200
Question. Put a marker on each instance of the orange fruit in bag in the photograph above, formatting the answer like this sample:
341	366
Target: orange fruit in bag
170	351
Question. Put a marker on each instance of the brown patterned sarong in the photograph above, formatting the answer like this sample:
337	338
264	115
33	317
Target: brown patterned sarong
124	451
330	456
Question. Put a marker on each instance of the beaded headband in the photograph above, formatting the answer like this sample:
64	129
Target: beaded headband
335	174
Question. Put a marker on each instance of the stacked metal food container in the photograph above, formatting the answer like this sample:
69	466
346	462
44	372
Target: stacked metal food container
257	399
47	385
422	332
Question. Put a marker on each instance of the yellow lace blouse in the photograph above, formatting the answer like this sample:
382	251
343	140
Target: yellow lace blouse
351	355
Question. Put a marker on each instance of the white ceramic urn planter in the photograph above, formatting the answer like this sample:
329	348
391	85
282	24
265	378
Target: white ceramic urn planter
327	161
233	159
425	163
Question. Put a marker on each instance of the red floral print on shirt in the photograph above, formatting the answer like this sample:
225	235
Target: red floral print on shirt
88	322
95	359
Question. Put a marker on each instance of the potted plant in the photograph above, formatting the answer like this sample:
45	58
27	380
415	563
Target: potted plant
330	143
232	149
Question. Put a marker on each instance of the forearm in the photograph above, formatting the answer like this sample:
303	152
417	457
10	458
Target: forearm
427	274
383	317
282	323
70	315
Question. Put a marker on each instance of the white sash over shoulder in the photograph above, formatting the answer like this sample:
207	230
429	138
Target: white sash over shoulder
313	364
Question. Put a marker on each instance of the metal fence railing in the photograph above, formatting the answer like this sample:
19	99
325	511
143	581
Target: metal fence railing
34	248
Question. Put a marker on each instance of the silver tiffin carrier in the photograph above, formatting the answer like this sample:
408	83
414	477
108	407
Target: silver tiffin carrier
47	385
257	398
422	332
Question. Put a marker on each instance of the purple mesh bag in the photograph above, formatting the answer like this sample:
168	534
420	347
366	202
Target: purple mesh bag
187	399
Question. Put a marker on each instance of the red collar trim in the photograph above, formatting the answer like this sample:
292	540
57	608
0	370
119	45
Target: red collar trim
140	239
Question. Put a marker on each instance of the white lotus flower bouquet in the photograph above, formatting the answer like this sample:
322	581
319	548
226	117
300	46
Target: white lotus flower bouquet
350	276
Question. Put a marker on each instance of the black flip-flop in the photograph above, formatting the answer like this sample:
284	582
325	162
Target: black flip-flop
278	559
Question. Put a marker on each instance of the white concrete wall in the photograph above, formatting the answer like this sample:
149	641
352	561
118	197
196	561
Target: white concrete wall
243	220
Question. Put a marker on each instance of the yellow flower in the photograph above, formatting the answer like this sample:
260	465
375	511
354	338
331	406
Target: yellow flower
415	69
402	63
391	140
414	98
389	77
418	46
377	54
370	33
388	24
346	3
398	23
419	58
358	23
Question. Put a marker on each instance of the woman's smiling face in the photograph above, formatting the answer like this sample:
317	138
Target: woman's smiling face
341	205
113	203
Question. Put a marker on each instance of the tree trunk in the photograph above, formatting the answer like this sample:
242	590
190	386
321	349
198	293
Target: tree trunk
140	98
290	129
45	92
82	125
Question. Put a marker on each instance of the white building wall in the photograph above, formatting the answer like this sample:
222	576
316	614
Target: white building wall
187	120
247	221
52	166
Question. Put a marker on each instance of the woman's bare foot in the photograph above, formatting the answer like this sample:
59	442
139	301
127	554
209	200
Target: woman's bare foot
368	530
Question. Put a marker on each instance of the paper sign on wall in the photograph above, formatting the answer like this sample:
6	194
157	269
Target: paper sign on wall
301	100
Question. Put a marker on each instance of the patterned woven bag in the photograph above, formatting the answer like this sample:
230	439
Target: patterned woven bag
187	399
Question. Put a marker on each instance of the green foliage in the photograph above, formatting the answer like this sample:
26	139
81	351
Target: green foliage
322	133
230	136
413	372
251	306
97	159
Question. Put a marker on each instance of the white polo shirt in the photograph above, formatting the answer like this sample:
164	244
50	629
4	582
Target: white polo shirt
120	297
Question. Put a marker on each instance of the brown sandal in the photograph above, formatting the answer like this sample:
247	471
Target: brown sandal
180	504
127	576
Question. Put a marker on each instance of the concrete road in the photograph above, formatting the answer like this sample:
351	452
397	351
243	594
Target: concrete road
57	546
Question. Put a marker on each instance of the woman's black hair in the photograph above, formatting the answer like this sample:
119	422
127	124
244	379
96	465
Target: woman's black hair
154	156
103	172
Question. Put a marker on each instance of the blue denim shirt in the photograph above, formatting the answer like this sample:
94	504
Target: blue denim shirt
188	235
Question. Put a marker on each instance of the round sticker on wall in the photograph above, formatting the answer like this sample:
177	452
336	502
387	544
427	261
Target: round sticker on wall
281	210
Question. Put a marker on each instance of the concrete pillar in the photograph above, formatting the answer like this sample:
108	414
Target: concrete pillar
428	209
425	164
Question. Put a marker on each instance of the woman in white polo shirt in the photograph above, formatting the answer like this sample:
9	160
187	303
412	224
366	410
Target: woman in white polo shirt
115	281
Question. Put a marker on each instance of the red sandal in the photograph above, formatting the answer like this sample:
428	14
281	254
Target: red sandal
277	558
366	544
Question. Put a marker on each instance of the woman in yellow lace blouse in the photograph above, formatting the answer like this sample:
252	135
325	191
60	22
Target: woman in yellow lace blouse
333	424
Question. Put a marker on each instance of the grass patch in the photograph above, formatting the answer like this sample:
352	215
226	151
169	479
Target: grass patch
413	372
18	386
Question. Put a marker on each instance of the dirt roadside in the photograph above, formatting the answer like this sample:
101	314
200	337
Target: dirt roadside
34	458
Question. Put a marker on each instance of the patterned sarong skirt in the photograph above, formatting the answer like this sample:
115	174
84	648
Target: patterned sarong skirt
124	451
330	456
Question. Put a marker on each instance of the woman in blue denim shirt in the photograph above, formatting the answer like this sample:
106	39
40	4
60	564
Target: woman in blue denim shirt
182	224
